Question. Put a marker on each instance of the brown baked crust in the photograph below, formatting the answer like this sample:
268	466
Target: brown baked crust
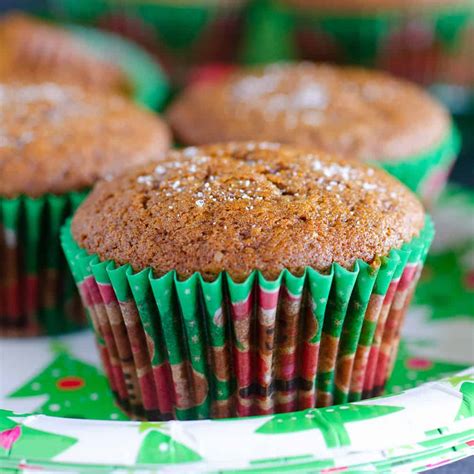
363	114
240	207
372	5
35	51
55	139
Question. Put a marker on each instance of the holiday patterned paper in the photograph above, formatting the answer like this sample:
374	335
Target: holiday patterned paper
345	436
254	329
67	394
15	441
37	293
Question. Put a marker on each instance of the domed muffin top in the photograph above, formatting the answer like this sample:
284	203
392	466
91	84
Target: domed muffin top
363	114
238	207
32	50
55	139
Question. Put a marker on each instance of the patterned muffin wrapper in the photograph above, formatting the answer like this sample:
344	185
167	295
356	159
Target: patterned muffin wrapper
196	349
148	82
427	174
427	45
179	35
37	291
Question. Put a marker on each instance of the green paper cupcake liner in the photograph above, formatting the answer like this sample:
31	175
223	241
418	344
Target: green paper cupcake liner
179	33
427	174
37	291
148	83
427	45
196	349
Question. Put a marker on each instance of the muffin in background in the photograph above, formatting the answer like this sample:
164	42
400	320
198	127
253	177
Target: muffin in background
418	40
55	142
247	279
33	50
180	33
365	115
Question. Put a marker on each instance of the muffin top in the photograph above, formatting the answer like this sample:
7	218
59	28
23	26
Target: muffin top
238	207
55	139
35	51
372	5
363	114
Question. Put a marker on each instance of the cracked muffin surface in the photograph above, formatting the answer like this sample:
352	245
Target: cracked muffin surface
56	138
240	207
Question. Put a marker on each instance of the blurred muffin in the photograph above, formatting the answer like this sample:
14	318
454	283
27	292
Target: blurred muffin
299	249
55	142
32	50
180	33
363	114
414	39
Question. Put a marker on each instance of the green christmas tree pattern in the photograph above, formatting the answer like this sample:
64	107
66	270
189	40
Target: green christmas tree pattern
158	447
330	421
447	283
410	371
23	442
74	389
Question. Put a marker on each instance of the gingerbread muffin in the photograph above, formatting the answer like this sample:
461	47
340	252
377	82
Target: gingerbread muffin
55	142
297	251
32	50
418	40
362	114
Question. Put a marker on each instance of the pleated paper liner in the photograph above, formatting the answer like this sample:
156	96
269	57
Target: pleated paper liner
178	33
426	44
147	80
195	349
427	173
37	291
